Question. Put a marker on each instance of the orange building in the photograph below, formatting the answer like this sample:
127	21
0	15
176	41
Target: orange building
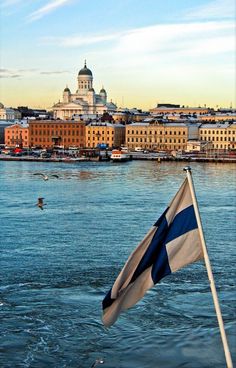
54	133
17	135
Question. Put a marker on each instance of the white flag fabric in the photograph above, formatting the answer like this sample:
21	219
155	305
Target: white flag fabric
172	243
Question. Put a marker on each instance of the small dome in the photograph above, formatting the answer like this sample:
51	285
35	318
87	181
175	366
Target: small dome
91	90
67	89
1	106
103	90
85	71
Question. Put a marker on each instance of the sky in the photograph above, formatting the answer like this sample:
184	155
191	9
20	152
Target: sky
143	52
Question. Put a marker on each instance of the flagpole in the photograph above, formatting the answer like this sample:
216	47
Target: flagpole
209	271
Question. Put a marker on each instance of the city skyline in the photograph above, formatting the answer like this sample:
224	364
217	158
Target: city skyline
141	52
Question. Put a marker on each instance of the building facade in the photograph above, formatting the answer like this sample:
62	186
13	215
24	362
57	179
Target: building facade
176	109
99	133
166	137
125	116
222	136
84	100
56	133
7	113
17	135
230	117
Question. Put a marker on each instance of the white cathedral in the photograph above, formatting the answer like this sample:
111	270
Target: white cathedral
85	101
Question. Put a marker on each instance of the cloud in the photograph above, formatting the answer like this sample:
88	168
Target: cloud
160	41
13	73
3	70
46	9
75	41
8	73
170	39
10	76
215	9
54	72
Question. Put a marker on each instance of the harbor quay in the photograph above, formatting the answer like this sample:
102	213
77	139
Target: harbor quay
95	155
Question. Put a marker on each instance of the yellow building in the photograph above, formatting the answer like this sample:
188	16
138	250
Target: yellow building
17	135
222	136
112	135
168	136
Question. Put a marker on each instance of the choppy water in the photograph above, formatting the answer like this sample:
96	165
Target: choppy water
56	266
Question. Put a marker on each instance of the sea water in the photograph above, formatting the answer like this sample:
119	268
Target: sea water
57	264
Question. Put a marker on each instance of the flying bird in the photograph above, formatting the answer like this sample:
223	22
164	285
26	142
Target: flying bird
40	203
46	177
97	361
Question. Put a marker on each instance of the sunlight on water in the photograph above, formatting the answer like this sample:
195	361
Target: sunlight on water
57	265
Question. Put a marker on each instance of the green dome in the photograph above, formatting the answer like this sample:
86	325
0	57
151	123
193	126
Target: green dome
85	71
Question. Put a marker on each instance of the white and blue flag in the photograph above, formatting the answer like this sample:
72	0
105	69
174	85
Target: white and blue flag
172	243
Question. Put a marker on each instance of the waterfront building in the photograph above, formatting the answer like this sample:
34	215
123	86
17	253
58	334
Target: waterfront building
222	136
56	133
17	135
7	113
160	136
84	100
104	133
3	125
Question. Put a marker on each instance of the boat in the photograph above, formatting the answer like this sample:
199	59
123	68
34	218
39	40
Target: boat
118	155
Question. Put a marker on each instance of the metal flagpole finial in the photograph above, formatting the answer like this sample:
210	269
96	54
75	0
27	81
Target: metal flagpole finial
187	168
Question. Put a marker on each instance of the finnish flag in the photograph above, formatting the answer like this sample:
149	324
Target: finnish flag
172	243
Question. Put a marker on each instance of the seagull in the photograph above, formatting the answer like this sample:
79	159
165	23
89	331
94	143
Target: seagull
97	361
40	203
46	177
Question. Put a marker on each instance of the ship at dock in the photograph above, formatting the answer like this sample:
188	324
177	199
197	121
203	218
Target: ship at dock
119	155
